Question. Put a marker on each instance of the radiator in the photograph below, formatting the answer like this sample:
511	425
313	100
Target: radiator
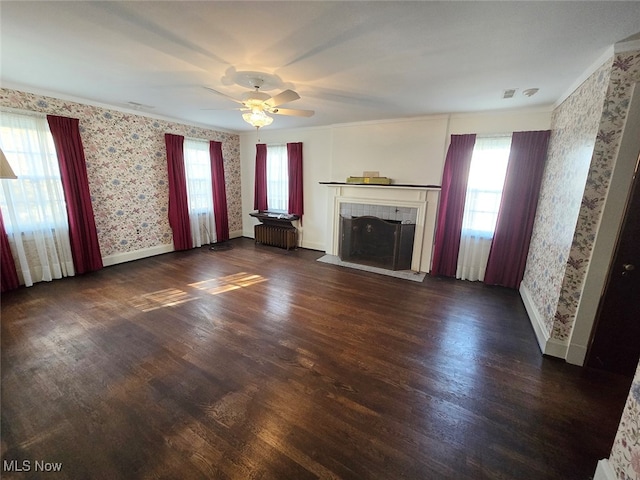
283	237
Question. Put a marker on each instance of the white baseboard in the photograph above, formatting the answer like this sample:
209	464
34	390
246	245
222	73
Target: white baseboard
604	471
534	317
314	246
148	252
548	346
576	354
556	348
136	255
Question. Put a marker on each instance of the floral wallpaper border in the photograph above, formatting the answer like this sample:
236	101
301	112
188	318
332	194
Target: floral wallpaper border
127	170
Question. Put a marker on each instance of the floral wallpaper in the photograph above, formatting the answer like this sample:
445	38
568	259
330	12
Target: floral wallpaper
624	73
127	169
574	126
556	269
625	454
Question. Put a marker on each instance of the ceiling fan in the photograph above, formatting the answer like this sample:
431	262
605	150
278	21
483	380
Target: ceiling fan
257	104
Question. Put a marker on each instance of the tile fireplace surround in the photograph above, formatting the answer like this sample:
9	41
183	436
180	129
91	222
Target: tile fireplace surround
414	203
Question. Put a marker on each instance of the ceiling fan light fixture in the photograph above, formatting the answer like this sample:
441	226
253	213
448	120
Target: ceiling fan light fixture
257	118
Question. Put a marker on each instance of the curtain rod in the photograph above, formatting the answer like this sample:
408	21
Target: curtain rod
202	139
18	111
196	139
494	135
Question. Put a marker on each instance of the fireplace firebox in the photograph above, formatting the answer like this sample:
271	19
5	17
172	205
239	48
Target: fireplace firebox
376	242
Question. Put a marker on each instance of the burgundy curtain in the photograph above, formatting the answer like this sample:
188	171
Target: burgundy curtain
451	209
83	236
260	192
178	205
9	280
219	191
510	246
294	153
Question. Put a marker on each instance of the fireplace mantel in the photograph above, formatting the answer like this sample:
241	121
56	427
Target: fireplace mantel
424	198
375	185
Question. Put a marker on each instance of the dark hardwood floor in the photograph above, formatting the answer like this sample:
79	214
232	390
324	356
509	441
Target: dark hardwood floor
255	363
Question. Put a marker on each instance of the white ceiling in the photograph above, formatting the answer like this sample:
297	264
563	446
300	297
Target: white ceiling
349	61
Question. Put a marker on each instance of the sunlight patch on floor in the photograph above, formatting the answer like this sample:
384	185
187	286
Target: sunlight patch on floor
168	297
215	286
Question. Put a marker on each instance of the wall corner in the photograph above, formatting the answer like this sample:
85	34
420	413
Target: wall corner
548	346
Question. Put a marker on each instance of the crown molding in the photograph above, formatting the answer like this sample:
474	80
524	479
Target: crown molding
601	60
129	111
627	46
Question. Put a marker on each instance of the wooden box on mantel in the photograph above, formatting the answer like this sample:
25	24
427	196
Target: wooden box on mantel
370	180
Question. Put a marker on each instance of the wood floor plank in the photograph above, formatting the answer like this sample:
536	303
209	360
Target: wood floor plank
258	363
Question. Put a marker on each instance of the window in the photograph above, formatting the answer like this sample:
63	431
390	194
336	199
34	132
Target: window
277	178
197	165
484	192
36	198
484	187
33	205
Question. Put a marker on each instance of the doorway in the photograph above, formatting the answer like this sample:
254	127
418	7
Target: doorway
615	343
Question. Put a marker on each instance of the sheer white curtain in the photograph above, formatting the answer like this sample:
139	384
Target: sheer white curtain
277	178
197	166
33	205
484	191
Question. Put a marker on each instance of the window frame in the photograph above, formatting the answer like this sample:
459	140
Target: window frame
281	198
205	161
32	215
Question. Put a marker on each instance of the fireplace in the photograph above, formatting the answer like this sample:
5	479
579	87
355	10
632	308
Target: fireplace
397	204
377	242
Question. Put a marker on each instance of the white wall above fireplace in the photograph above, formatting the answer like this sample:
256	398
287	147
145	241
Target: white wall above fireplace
423	199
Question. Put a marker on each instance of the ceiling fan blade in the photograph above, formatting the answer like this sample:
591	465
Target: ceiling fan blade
283	97
293	112
239	109
222	94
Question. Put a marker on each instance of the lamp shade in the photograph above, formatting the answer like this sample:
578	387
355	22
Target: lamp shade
5	169
257	118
